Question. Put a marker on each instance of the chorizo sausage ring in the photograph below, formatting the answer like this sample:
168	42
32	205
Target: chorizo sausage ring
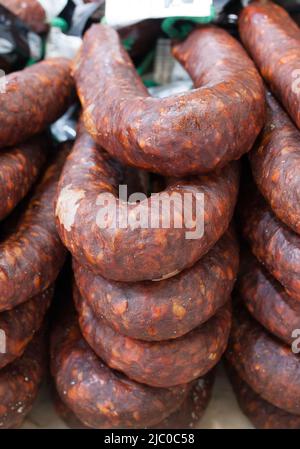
187	415
135	253
273	243
20	382
275	163
19	168
195	132
30	12
20	325
269	366
158	364
34	98
272	38
31	254
268	301
167	309
261	413
99	396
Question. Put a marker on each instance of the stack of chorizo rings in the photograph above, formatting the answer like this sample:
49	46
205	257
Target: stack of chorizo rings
153	303
263	354
173	319
31	253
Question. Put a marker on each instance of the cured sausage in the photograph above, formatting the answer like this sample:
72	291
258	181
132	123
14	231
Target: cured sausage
133	251
158	364
261	413
167	309
191	133
100	397
20	382
273	38
19	168
30	11
270	367
20	325
34	98
66	414
268	301
275	163
273	243
31	254
187	416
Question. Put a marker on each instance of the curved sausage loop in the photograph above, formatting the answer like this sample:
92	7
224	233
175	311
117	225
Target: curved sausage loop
31	253
20	325
19	169
261	413
267	300
123	247
273	243
20	382
92	390
167	309
267	365
177	361
34	97
187	416
275	163
272	38
195	132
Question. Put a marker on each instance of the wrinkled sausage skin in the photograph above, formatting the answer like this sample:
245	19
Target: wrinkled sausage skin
275	163
158	364
19	169
30	11
100	397
269	366
20	382
167	309
31	253
187	416
267	300
133	253
21	324
273	40
191	133
261	413
273	243
34	98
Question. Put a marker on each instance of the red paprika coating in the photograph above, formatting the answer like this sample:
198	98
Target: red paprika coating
275	163
262	414
30	12
20	382
273	243
31	253
100	397
34	97
273	40
187	416
167	309
19	169
269	366
191	133
136	253
268	301
158	364
21	324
